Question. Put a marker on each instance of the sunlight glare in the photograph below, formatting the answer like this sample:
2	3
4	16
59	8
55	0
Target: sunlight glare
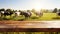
37	5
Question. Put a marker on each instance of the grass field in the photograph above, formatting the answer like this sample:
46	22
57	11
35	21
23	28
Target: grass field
46	16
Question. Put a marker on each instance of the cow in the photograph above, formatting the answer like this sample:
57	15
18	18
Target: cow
23	13
26	14
39	13
58	13
5	13
17	13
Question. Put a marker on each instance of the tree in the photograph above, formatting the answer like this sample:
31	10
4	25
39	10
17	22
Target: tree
9	10
19	10
13	10
28	10
2	9
44	10
55	10
33	10
59	10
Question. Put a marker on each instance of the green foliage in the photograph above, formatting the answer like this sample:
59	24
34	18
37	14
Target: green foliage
28	10
10	10
33	10
2	9
59	10
55	10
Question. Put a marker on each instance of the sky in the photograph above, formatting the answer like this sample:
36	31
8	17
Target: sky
29	4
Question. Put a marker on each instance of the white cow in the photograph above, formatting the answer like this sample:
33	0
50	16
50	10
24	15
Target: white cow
39	13
17	13
23	13
1	13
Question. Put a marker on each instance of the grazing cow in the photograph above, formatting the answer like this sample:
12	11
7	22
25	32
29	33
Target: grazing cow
17	13
39	14
58	13
25	14
5	13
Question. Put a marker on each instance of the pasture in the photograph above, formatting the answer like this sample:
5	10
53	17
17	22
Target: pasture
46	16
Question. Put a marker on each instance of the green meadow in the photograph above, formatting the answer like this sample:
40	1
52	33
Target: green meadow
46	16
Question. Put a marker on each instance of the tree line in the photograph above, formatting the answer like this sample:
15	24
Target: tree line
33	10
